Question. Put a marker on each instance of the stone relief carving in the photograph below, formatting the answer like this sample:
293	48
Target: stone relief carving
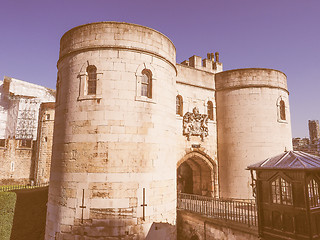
195	124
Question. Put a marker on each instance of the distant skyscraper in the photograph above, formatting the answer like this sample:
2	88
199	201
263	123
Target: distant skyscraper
314	130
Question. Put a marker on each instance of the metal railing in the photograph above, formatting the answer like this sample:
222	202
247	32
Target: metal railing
17	187
236	210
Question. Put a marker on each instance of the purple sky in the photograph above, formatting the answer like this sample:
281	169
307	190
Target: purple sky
278	34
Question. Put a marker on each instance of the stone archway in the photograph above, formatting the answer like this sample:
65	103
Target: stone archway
196	175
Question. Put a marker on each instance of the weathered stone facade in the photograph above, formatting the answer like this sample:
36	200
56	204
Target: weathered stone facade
132	127
44	143
112	150
19	109
16	162
250	127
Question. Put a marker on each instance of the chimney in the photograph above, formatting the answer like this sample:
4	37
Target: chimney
195	61
217	57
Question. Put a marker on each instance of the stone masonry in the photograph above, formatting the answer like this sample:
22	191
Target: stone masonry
19	109
131	124
249	124
44	143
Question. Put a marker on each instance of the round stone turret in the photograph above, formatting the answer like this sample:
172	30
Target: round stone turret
111	174
253	121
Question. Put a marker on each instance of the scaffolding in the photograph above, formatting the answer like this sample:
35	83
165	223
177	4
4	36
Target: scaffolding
22	117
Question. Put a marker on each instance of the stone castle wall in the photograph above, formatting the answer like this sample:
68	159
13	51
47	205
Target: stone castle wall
44	143
117	153
16	162
19	109
111	147
249	124
197	94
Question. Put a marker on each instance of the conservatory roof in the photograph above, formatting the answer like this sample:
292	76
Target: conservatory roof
289	160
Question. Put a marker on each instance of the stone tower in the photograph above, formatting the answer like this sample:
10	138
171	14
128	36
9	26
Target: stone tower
111	174
128	120
314	131
44	143
253	123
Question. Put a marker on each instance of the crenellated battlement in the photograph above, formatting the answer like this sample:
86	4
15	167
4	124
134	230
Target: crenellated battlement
210	64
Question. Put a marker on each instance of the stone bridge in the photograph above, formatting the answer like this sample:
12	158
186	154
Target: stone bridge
204	218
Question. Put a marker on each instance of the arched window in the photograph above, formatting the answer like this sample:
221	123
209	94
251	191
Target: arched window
92	80
179	105
146	83
281	191
313	191
210	110
282	110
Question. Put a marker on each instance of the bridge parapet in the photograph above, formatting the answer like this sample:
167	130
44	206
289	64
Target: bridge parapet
194	226
242	211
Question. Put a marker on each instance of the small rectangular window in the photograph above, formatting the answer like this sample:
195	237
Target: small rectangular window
92	80
282	110
47	116
146	83
92	86
25	143
179	105
144	90
210	110
286	192
313	190
12	166
281	191
2	143
275	187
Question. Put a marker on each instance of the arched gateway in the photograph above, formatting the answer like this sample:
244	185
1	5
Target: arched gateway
196	174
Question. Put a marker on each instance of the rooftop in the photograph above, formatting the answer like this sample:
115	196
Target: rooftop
289	160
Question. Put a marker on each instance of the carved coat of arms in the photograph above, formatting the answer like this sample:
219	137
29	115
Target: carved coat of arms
195	124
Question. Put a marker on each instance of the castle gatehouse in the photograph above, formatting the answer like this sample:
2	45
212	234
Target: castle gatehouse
133	128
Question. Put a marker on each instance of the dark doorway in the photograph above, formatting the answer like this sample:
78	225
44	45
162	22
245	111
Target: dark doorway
185	179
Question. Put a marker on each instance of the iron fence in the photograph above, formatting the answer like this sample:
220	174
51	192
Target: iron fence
17	187
236	210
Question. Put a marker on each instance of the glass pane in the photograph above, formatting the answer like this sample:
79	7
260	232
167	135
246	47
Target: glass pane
144	90
92	79
145	79
286	192
179	105
275	186
92	84
313	191
92	76
282	110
